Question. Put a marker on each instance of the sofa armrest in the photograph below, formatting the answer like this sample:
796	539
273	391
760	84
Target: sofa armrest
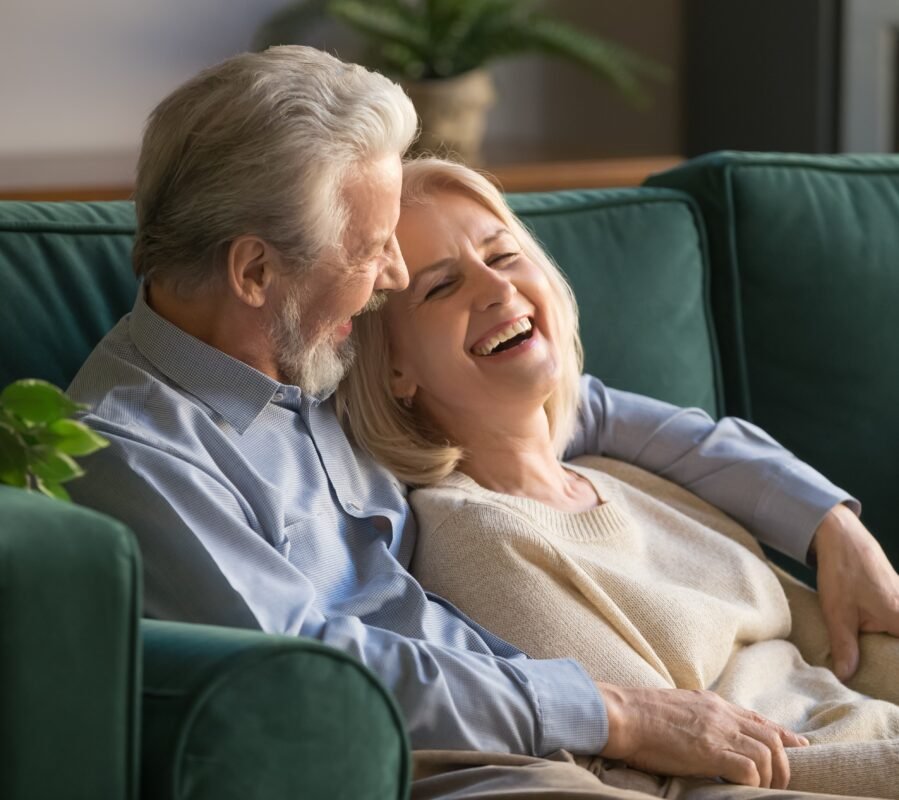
69	651
230	713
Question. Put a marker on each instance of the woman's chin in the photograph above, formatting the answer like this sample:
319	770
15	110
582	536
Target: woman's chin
530	385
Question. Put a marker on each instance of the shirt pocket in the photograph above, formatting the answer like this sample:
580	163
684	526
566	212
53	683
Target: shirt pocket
323	547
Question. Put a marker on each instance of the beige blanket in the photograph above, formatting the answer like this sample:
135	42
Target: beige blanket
655	587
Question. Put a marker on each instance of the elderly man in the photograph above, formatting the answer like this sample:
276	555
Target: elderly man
267	197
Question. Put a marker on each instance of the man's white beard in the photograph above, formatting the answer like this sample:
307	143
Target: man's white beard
315	367
318	367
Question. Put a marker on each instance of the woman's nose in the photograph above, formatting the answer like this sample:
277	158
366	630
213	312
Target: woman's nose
492	287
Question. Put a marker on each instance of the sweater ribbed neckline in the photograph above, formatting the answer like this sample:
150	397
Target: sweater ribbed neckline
608	519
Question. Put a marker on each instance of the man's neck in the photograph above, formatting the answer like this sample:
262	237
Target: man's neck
214	317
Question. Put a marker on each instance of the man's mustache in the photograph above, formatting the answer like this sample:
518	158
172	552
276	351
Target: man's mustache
375	302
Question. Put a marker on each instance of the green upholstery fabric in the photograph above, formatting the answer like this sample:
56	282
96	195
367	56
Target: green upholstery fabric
69	652
65	273
243	715
636	261
805	278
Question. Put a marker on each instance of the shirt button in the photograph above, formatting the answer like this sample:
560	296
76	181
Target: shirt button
279	396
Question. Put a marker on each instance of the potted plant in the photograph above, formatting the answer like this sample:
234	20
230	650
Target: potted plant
438	50
38	438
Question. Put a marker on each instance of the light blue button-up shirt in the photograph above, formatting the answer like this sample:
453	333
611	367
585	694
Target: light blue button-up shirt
252	508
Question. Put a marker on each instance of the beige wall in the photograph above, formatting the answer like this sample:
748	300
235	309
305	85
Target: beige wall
557	108
78	79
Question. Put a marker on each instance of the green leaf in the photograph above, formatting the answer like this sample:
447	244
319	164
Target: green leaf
287	25
53	490
73	438
11	420
620	66
13	462
52	467
381	21
37	402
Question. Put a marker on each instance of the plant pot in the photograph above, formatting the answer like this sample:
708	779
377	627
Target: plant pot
453	114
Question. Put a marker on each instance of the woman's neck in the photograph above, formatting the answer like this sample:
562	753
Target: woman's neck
521	460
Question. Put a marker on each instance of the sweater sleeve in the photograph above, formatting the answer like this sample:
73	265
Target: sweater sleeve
730	463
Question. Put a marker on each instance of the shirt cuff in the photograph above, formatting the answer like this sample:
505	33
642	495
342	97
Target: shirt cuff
789	513
571	711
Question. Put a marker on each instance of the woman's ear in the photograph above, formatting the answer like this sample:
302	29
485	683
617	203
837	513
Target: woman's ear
251	269
402	385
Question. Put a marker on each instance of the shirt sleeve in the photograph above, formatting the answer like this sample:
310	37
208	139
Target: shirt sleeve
731	463
193	539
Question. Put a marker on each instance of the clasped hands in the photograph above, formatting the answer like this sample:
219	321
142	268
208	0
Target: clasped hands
697	733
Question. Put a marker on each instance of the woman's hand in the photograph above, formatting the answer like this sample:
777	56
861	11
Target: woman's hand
857	587
695	733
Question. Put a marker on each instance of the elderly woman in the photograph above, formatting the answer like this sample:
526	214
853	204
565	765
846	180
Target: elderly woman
466	386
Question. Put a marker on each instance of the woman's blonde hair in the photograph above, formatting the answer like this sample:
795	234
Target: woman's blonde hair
395	435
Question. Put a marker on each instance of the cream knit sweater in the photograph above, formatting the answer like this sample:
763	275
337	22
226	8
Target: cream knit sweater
654	587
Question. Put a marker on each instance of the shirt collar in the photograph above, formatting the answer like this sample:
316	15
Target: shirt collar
234	390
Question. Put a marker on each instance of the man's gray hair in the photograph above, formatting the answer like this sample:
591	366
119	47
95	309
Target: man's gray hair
259	144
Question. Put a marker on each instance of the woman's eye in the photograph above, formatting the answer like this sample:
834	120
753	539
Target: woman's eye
434	290
499	258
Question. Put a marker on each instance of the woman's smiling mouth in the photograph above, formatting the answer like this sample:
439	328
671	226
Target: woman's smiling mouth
510	335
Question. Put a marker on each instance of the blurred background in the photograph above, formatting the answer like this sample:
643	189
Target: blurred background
77	81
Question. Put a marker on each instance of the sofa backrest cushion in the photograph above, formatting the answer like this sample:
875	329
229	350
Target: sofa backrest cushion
805	284
65	279
636	260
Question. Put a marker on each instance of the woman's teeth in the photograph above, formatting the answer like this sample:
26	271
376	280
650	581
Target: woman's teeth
510	332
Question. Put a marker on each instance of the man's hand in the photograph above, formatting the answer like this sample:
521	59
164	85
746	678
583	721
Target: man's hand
695	733
857	587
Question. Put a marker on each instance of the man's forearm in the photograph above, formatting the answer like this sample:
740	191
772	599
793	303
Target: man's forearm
729	463
455	699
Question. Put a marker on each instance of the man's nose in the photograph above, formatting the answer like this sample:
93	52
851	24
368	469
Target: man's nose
395	276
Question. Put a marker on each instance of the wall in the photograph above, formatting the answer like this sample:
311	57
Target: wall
552	107
77	81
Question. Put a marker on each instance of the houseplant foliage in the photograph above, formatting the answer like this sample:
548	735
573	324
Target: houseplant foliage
38	439
431	42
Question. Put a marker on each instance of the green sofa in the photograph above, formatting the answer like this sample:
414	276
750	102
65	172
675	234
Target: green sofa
761	285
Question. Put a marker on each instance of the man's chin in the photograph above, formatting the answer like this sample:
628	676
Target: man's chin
318	371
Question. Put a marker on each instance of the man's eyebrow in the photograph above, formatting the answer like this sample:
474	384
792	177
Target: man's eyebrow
445	262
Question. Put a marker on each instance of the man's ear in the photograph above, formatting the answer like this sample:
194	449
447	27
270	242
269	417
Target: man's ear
251	269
